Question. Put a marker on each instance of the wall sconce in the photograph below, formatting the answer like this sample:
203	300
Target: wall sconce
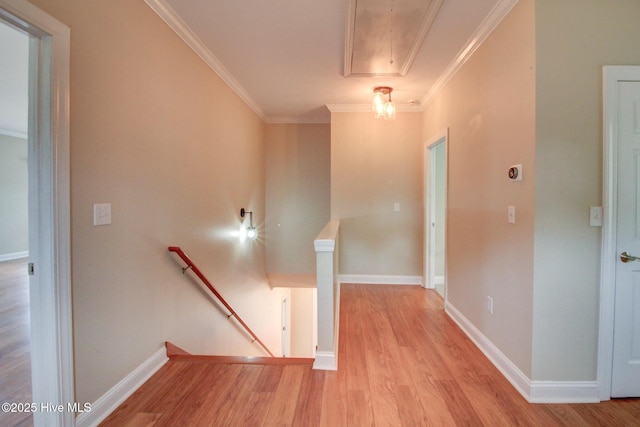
252	233
381	109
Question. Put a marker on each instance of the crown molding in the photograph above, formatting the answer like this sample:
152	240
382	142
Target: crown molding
497	14
173	20
297	121
366	108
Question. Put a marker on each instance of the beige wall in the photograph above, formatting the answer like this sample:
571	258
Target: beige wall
489	108
575	38
374	164
297	194
158	135
302	322
14	191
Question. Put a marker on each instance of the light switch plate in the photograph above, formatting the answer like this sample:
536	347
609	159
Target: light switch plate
101	213
511	214
595	216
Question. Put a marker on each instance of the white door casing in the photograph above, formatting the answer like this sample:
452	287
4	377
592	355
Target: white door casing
619	339
430	205
49	218
286	325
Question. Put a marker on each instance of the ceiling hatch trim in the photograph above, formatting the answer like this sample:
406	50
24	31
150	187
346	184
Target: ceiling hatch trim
173	20
497	14
383	37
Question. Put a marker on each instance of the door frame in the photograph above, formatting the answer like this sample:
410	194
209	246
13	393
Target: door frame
49	217
286	324
441	137
612	74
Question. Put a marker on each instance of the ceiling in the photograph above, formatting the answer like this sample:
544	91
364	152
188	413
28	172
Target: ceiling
286	58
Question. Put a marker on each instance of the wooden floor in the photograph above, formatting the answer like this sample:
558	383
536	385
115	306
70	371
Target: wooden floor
15	359
402	362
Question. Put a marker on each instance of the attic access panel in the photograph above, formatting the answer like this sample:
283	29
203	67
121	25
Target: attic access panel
383	36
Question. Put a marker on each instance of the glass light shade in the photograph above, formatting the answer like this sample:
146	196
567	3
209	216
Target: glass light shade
389	111
252	233
378	105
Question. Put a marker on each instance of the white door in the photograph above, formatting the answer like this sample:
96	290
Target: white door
625	380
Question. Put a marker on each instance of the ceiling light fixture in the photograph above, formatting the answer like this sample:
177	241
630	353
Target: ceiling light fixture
381	109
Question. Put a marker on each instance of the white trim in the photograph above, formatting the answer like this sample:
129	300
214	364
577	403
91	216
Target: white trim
441	137
297	120
372	279
366	108
611	76
326	239
564	392
324	245
497	14
14	255
107	403
326	361
608	250
314	320
49	219
173	20
328	296
438	280
349	33
532	391
286	323
14	134
510	371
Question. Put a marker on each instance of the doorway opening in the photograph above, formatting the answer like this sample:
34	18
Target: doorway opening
48	208
435	176
15	335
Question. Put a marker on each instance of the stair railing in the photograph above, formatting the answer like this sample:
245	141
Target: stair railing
232	313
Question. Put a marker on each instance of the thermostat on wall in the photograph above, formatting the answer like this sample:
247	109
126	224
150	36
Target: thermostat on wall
515	173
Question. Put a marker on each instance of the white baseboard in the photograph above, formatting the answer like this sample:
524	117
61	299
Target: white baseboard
107	403
14	255
533	391
370	279
564	392
326	361
437	281
510	371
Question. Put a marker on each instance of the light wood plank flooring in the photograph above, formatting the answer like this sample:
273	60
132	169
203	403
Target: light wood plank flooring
402	362
15	359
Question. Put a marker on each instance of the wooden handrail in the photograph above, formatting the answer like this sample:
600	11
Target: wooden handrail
190	265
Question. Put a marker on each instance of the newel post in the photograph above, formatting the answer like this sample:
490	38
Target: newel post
326	246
